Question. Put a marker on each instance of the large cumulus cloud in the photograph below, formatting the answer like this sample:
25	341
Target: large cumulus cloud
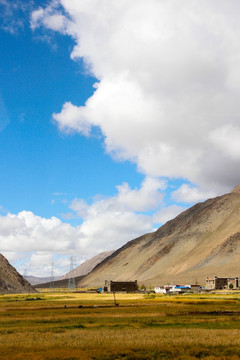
168	90
33	242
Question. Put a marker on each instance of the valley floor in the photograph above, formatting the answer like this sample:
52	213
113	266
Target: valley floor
89	326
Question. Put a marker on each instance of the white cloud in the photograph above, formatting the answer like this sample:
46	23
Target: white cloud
189	194
227	140
80	206
68	120
112	221
167	213
27	232
39	258
12	256
13	14
40	263
148	197
168	83
33	242
49	17
37	17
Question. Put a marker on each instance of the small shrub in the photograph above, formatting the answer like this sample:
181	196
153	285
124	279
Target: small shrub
33	299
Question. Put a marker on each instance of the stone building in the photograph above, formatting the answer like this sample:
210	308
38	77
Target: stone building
216	283
120	286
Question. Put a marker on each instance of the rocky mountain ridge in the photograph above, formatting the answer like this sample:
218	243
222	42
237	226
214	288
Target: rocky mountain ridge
202	241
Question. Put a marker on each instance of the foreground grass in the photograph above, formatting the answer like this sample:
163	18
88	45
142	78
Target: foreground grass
88	326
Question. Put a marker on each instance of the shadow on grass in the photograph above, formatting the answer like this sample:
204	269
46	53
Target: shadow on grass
70	327
213	353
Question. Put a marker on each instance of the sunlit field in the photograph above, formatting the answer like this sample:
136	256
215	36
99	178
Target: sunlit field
89	326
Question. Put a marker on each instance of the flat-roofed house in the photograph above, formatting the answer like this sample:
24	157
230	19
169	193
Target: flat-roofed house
217	283
121	286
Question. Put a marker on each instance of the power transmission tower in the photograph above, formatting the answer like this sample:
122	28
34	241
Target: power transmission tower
25	274
71	279
51	289
25	277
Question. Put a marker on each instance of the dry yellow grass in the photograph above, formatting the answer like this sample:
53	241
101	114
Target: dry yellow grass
178	327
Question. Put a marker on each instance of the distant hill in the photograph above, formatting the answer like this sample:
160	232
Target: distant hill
33	280
11	281
88	265
202	241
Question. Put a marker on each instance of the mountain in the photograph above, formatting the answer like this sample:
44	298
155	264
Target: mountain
10	280
57	284
88	265
202	241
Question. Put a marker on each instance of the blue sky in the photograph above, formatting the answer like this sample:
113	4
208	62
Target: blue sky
113	119
42	160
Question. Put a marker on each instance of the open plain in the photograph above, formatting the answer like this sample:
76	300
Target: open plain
89	326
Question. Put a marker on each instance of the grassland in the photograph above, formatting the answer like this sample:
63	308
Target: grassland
88	326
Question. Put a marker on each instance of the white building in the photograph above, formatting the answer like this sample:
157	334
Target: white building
172	289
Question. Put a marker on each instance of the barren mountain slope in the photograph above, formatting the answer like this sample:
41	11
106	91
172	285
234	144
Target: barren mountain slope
202	241
88	265
10	280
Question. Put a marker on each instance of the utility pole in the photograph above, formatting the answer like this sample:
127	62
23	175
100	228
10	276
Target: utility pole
114	298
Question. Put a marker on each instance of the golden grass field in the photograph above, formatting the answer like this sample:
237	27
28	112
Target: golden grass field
88	326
